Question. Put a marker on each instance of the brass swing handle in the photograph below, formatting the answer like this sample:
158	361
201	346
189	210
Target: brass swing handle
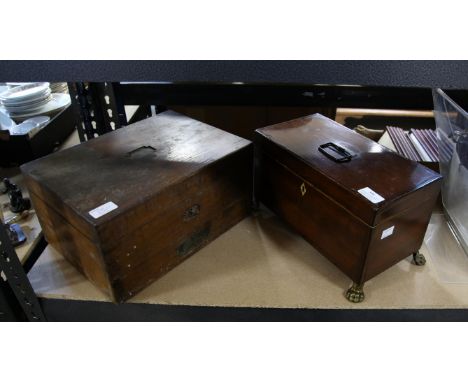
335	152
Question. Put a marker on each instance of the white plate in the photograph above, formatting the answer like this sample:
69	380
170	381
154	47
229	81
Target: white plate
37	98
31	103
24	128
5	121
30	126
58	101
40	121
28	107
24	92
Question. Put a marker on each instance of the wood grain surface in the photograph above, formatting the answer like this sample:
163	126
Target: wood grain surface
319	197
177	184
295	143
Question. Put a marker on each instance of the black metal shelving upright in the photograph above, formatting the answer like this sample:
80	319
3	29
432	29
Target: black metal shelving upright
17	298
16	284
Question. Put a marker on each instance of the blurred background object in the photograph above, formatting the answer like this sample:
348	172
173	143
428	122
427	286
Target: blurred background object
35	117
452	135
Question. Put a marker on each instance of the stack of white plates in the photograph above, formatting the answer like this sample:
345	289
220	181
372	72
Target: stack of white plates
59	87
32	99
26	99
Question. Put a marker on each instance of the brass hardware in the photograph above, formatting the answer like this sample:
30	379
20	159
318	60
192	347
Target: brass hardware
355	293
303	189
418	258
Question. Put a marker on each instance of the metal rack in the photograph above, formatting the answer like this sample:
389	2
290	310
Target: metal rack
99	108
16	283
17	298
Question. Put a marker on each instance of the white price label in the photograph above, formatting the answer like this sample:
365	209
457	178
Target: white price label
387	232
371	195
103	209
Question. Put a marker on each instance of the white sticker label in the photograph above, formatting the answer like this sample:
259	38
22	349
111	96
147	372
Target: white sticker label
387	232
370	194
103	209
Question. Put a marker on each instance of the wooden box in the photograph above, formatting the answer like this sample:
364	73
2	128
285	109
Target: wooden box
362	206
128	206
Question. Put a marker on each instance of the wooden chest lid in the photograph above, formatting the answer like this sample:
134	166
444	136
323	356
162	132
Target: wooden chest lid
129	165
371	166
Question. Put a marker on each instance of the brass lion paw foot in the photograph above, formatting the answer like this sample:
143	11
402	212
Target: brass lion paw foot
418	258
355	293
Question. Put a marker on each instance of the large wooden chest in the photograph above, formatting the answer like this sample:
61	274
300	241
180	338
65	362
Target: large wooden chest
128	206
362	206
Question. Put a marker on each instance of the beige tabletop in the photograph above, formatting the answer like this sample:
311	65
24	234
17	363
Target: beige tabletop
261	263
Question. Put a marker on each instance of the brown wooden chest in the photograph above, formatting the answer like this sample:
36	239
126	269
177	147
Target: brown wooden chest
128	206
362	206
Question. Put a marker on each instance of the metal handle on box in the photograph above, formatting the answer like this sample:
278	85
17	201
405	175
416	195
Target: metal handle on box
335	152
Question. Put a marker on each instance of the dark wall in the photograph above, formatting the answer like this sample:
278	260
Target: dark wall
445	74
